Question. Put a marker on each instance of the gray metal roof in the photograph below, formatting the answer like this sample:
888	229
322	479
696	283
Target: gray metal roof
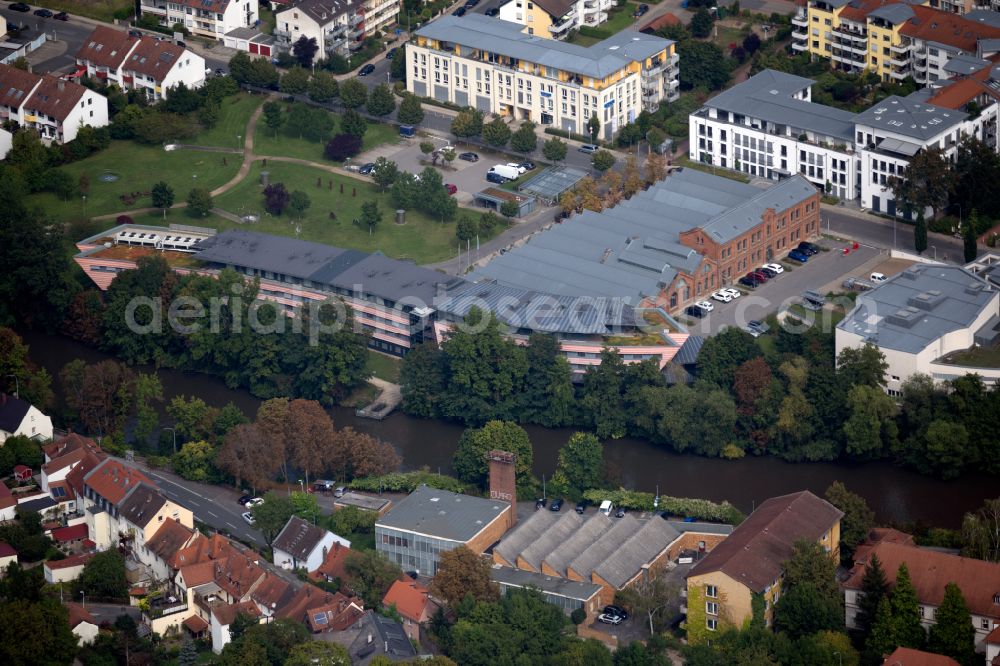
894	13
323	12
563	528
524	534
561	587
986	16
984	46
910	118
688	353
769	96
701	528
641	548
571	548
505	38
443	514
966	64
141	504
899	147
12	412
605	546
913	309
277	254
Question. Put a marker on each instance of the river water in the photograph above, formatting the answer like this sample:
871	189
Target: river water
896	494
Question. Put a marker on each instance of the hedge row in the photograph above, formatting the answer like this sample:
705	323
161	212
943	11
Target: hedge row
407	482
682	507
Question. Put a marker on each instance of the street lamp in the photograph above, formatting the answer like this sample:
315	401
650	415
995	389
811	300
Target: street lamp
17	386
935	252
239	138
302	486
175	437
84	595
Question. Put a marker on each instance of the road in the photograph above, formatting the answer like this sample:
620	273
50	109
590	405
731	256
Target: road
110	612
889	234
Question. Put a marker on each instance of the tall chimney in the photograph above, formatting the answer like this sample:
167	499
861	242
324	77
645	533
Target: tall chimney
503	485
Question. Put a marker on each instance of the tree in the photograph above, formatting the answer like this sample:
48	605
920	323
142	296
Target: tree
262	74
311	435
353	93
603	160
318	653
803	610
862	366
969	237
148	391
871	429
371	215
593	126
581	464
751	43
426	147
723	353
701	23
276	198
981	532
946	444
588	652
188	656
353	123
548	395
323	87
466	229
365	455
952	633
298	203
106	397
524	140
461	573
246	455
656	168
813	565
470	462
880	641
397	68
199	202
857	521
920	233
304	49
272	515
342	146
411	111
509	209
239	67
273	116
163	196
33	634
194	461
651	596
370	574
703	65
104	576
907	629
315	124
927	181
874	588
496	133
554	149
295	81
384	173
380	101
192	418
468	123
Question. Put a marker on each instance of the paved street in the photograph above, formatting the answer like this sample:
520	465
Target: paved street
890	235
110	612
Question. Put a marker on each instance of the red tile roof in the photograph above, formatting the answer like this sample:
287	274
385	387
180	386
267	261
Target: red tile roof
660	22
15	88
909	657
198	574
333	565
994	636
113	480
77	474
153	58
411	600
336	613
78	614
934	25
202	549
66	459
196	623
226	613
106	47
961	92
6	550
72	533
71	561
169	538
67	444
932	570
858	11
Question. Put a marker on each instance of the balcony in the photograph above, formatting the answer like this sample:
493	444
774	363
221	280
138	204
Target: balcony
166	604
150	9
356	33
655	71
800	20
561	28
902	49
800	46
901	73
336	31
356	19
853	35
899	62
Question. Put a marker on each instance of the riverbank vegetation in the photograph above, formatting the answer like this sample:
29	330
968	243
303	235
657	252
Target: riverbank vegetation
785	394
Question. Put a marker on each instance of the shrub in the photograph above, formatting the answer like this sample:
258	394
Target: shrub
407	482
124	219
342	146
699	509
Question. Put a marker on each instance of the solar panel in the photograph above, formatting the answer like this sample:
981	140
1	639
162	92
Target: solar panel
58	491
319	618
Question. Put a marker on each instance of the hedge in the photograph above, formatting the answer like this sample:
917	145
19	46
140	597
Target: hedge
408	482
683	507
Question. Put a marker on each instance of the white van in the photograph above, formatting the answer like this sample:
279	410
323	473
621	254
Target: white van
508	172
878	277
607	507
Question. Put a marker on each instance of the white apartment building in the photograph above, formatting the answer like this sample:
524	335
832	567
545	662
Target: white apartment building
338	26
492	66
555	18
768	127
206	18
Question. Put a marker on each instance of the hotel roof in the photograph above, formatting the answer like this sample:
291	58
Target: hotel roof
443	514
915	308
505	38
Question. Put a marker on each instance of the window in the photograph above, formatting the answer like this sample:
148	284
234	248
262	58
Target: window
984	624
711	608
711	591
711	623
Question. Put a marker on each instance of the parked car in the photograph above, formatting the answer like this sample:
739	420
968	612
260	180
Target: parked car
640	11
135	33
557	505
705	305
808	248
735	293
520	167
451	189
256	501
581	506
749	280
609	619
694	311
249	518
799	256
768	271
494	177
44	13
759	276
367	168
756	328
469	4
469	157
878	277
339	491
20	7
459	12
61	16
392	53
366	70
620	513
244	499
777	268
611	609
588	148
528	165
492	11
510	172
540	503
722	296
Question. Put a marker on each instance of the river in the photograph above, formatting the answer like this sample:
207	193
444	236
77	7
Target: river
896	494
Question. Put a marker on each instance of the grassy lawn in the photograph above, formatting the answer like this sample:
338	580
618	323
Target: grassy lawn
102	10
138	168
977	358
727	36
267	20
619	19
421	239
383	367
235	115
266	143
708	168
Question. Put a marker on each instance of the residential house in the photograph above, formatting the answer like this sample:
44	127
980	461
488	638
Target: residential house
17	417
904	656
373	635
921	318
8	556
55	108
22	473
554	19
338	26
492	66
146	63
8	503
67	569
413	603
750	561
301	545
203	18
332	568
254	41
63	455
930	571
83	624
993	647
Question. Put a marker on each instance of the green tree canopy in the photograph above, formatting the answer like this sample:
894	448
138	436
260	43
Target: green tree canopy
353	93
104	576
952	633
496	133
470	458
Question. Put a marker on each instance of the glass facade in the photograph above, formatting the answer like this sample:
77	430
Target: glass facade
412	552
567	604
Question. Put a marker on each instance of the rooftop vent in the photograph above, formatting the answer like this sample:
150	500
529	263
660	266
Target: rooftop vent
905	317
927	300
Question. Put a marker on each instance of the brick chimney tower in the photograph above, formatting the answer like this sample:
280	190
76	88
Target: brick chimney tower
503	485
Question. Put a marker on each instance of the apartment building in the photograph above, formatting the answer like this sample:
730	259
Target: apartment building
554	19
769	127
492	66
895	40
205	18
132	63
338	26
55	108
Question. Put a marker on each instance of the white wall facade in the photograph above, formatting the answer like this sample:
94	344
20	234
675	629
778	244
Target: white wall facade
34	424
85	633
6	141
212	24
332	36
189	70
590	13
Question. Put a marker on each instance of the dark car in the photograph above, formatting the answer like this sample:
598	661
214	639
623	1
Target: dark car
556	505
760	277
808	248
749	281
469	4
528	165
640	11
366	70
61	16
44	13
219	71
581	506
367	169
244	499
492	11
620	513
135	33
452	189
769	272
20	7
469	157
494	177
758	326
392	53
694	311
459	12
799	256
540	503
617	611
